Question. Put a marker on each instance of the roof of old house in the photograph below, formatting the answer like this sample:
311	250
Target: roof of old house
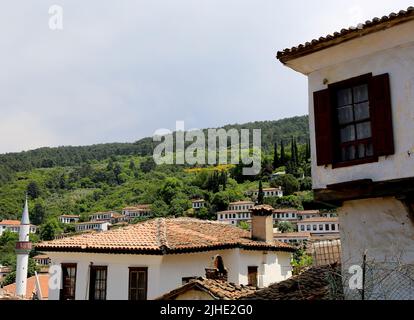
69	216
292	235
163	236
316	283
138	207
241	202
319	219
302	212
217	289
31	286
10	222
370	26
41	256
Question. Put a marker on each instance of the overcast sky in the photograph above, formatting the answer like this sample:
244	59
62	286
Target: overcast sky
121	69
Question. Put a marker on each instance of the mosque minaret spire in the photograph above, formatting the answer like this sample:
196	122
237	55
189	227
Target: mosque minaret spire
23	247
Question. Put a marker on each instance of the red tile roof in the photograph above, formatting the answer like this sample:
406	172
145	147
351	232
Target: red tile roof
376	24
316	283
138	207
163	236
292	235
31	286
241	202
10	222
217	289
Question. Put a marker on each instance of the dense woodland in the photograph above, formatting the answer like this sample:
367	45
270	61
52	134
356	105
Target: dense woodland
84	180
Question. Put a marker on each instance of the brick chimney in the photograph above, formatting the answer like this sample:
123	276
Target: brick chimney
262	223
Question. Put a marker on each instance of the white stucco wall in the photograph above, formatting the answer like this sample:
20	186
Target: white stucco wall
390	51
382	229
165	273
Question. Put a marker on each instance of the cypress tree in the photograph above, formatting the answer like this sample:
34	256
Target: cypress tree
282	154
260	196
275	158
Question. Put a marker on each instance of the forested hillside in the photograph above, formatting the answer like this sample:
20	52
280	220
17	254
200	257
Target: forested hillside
82	180
272	131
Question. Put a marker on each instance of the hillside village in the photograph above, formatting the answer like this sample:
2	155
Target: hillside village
211	234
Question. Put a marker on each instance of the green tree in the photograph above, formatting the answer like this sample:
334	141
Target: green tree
282	154
220	200
306	184
276	162
117	171
147	165
203	213
132	165
38	213
244	225
159	208
33	190
110	165
288	183
285	227
31	269
50	229
260	195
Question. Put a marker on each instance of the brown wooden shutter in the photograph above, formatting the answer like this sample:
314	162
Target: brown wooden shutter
323	127
381	114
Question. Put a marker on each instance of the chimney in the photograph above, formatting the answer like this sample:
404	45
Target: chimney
262	223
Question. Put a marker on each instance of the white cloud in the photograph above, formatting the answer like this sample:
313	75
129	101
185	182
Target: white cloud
121	69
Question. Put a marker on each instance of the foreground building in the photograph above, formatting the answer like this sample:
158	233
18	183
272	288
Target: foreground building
151	258
361	114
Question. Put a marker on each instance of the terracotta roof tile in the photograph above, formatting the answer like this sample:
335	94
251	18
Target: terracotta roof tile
316	283
376	24
10	222
163	236
218	289
31	286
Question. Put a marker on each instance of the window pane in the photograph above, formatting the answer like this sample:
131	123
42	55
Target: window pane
348	133
344	97
348	153
363	130
361	150
369	149
345	114
361	93
362	111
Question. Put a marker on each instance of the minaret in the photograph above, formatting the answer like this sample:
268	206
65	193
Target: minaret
23	247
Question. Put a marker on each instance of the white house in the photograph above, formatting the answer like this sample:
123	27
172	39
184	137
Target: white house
68	218
241	206
151	258
293	237
14	226
198	204
92	225
241	211
361	114
109	216
138	211
269	192
319	226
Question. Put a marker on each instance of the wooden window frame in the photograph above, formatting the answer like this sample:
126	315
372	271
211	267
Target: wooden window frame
92	283
137	269
61	292
337	144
